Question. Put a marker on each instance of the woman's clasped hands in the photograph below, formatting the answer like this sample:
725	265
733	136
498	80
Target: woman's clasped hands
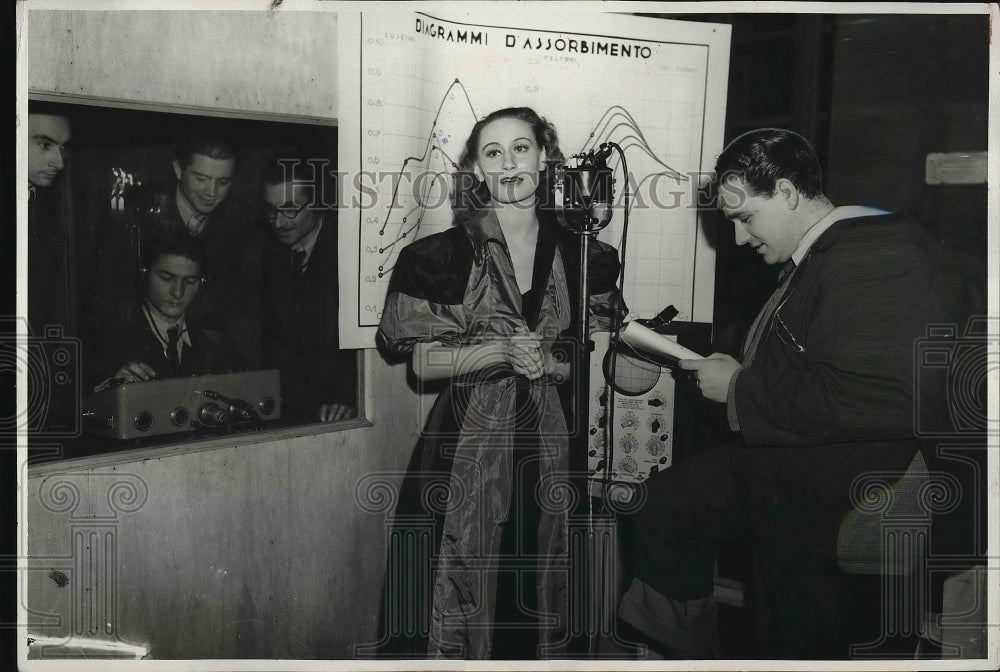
524	353
531	359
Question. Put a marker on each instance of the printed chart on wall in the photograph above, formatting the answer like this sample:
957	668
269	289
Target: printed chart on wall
655	87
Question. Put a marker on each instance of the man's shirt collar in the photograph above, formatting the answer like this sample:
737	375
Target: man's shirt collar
160	327
191	218
831	218
308	244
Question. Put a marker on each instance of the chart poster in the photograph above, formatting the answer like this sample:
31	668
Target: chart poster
413	84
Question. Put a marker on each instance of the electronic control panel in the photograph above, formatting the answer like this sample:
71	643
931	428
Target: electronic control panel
135	410
630	432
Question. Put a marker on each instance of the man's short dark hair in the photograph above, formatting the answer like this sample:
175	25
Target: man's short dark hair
212	146
760	158
301	169
178	243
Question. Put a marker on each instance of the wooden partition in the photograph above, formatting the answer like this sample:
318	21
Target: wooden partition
273	549
267	546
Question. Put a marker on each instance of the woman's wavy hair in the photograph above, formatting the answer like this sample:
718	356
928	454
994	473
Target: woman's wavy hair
472	195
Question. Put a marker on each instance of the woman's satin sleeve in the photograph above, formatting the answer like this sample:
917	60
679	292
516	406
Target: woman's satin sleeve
425	301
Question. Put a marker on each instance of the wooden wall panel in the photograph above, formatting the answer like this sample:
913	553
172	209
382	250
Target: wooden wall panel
240	550
243	551
265	63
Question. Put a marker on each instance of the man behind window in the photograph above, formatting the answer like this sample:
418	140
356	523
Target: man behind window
318	381
199	205
49	134
157	338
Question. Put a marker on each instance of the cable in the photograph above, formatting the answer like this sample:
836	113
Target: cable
609	432
609	425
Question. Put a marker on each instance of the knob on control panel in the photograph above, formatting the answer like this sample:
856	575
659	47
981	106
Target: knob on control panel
144	421
180	416
174	405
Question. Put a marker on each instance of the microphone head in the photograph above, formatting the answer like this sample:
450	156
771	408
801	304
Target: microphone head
213	415
587	193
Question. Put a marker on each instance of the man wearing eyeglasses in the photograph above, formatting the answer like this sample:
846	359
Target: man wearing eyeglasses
299	335
824	394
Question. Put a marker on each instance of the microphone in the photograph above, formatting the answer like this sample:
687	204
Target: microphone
586	190
213	415
236	407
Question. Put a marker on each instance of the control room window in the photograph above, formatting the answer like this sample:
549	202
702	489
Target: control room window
187	265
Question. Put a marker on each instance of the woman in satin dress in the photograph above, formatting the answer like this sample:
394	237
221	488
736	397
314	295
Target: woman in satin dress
489	307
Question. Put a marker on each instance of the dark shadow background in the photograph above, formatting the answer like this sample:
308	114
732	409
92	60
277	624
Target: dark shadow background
874	94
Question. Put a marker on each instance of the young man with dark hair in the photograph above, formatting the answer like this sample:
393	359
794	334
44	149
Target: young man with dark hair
204	168
155	338
49	134
50	286
824	393
200	206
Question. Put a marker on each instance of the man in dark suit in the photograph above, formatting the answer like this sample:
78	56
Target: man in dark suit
299	335
49	133
50	286
198	205
824	394
201	206
156	337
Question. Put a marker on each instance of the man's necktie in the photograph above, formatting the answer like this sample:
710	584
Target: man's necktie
298	262
785	271
173	357
760	325
196	223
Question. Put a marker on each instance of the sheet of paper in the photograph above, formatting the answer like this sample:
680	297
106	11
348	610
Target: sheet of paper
644	338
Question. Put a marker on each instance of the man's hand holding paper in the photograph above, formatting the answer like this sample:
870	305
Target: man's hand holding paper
712	374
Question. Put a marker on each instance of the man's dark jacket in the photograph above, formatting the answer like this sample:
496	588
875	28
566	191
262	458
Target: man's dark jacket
833	392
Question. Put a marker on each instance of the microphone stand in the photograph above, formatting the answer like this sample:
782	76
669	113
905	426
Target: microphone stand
585	208
584	197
